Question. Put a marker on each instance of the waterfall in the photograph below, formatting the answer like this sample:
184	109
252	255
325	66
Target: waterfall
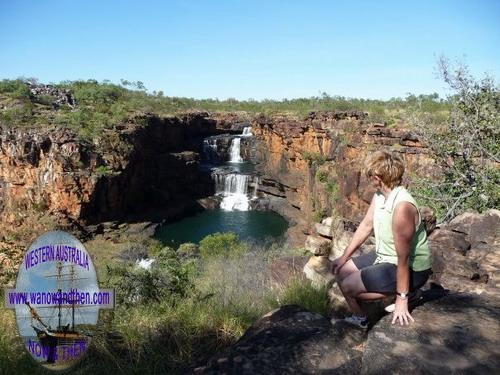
232	186
209	144
210	149
234	152
235	193
255	187
247	131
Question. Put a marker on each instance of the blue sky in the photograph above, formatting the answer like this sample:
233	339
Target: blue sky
250	49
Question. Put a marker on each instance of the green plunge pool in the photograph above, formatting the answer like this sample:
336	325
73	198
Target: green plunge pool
249	225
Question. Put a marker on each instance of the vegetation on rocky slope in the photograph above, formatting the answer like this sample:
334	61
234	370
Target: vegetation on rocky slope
96	106
182	310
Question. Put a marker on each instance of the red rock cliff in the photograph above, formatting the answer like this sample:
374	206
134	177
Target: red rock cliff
149	163
313	166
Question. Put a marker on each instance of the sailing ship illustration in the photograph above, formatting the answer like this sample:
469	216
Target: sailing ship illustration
66	332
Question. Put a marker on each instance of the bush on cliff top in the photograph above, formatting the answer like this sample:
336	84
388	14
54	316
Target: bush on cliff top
466	146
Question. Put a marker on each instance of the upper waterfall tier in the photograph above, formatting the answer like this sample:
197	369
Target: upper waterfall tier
223	148
235	151
247	131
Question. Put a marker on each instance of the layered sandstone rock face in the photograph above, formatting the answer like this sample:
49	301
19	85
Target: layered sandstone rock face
145	170
313	166
150	163
44	170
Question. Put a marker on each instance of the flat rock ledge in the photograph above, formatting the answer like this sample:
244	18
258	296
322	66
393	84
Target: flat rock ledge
291	340
455	333
458	333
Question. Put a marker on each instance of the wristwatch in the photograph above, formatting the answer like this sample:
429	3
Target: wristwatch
403	295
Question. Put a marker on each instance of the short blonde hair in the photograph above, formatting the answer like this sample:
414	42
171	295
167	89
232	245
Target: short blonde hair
388	166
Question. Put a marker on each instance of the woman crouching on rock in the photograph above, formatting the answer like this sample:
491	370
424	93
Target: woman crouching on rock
401	262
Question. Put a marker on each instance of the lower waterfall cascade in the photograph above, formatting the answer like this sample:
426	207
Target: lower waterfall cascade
230	183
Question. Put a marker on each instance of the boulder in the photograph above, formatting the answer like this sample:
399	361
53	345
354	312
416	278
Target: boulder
429	219
318	270
328	221
452	268
458	333
478	228
451	240
323	229
291	340
318	245
466	253
490	263
339	243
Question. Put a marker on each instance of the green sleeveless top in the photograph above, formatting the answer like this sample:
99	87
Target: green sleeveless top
420	257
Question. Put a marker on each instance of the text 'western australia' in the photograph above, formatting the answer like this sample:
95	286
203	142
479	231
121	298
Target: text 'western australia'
56	253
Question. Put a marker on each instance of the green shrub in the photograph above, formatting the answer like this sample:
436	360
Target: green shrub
314	157
103	170
301	292
322	176
332	187
188	249
466	146
167	278
221	244
16	89
93	93
21	115
46	100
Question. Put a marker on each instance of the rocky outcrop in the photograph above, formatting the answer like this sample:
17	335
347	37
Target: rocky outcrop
466	253
149	163
49	94
44	170
312	167
456	334
452	333
231	122
290	340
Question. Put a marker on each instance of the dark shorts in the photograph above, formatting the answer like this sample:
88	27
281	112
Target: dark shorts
381	277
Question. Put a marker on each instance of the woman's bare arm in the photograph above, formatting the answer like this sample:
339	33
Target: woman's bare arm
403	229
364	230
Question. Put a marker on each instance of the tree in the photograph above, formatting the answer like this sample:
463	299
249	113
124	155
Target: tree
466	147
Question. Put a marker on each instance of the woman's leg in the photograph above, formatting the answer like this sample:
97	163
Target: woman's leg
348	268
349	279
355	265
353	288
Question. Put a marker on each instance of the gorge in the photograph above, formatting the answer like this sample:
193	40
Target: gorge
236	187
162	169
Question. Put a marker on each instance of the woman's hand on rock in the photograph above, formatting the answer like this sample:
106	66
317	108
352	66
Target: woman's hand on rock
338	263
401	313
